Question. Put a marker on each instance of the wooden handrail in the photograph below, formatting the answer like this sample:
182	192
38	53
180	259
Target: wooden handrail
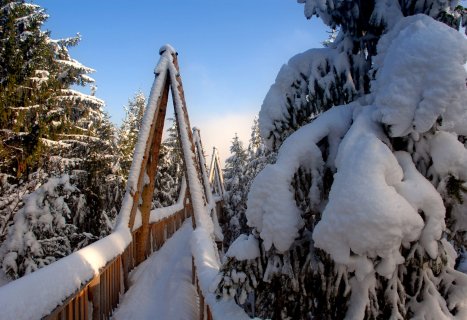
100	296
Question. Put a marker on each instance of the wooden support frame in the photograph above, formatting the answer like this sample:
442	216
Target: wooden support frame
168	74
216	178
99	296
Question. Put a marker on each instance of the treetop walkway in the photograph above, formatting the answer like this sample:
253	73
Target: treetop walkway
89	283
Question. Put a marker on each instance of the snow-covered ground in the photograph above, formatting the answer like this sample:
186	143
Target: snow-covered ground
161	286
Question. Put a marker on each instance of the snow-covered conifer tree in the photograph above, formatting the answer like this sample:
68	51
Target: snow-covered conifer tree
169	170
235	183
363	214
25	84
11	197
49	130
44	229
318	79
258	154
128	132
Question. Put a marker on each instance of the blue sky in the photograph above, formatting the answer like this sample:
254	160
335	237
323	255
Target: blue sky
229	52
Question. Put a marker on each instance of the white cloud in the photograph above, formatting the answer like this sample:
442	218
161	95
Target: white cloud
218	131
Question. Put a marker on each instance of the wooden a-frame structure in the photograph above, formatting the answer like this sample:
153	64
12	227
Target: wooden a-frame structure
167	77
216	178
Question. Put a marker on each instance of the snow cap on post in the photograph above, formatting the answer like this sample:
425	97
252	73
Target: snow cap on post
167	48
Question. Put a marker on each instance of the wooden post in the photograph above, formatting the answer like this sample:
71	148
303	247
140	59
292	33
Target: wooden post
95	295
183	118
201	302
152	161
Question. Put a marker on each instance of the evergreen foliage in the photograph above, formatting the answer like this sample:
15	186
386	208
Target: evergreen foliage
240	170
45	228
298	273
49	131
235	183
316	80
128	132
170	170
258	154
25	84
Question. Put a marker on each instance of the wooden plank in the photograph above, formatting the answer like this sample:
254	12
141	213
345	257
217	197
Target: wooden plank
119	279
108	291
69	310
201	304
105	299
170	227
94	297
85	303
183	118
209	313
77	307
103	286
114	284
154	236
180	219
147	192
161	104
126	267
193	271
111	288
160	230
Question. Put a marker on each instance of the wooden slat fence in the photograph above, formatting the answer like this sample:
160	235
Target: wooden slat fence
100	296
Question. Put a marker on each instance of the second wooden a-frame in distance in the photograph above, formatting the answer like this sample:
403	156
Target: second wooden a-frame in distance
216	178
167	77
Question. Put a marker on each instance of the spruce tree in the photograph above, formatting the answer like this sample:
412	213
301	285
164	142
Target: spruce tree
235	183
258	154
25	85
50	131
128	132
45	228
170	170
361	217
318	79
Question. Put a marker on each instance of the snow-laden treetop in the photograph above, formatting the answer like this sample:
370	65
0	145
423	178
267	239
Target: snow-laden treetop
318	79
420	85
420	78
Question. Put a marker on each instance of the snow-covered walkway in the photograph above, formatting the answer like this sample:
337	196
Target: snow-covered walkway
161	286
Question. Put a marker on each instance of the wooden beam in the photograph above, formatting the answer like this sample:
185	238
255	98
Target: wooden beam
152	162
161	104
183	118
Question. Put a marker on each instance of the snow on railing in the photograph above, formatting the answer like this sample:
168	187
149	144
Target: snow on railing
37	294
98	271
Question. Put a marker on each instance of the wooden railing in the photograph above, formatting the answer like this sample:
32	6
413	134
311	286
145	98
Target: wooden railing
100	296
204	310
